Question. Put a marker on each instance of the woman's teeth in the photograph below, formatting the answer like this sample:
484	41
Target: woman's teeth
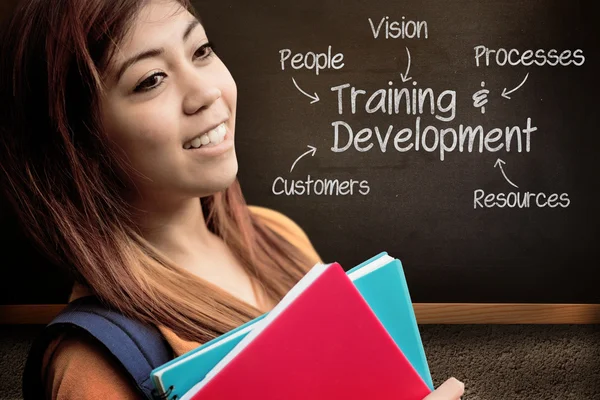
214	137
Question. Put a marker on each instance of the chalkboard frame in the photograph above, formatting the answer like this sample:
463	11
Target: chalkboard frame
426	313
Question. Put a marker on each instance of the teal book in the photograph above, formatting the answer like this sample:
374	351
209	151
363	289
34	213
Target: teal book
381	282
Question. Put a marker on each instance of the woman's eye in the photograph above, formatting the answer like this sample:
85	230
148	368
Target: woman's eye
150	83
205	51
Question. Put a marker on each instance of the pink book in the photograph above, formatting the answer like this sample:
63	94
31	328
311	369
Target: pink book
322	341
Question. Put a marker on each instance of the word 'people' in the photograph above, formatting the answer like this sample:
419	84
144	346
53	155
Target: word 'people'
311	61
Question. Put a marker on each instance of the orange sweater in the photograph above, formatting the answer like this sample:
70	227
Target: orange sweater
78	368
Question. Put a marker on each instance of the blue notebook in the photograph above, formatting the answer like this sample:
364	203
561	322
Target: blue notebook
382	283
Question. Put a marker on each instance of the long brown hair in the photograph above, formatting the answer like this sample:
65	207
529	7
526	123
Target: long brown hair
61	177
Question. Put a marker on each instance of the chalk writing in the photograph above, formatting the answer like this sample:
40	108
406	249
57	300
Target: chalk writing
312	61
443	135
481	199
513	57
399	29
431	139
394	100
319	187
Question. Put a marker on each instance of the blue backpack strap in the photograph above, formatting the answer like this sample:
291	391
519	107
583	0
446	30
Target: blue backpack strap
138	347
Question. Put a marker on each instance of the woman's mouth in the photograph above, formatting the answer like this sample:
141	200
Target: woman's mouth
211	138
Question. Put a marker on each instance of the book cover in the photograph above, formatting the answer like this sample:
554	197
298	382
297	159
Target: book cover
179	375
321	341
383	287
382	283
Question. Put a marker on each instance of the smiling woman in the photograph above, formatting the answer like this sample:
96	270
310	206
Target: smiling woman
105	96
117	154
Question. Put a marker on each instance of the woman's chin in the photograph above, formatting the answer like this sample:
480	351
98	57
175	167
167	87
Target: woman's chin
216	183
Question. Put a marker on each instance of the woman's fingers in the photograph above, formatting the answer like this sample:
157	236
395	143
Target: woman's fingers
452	389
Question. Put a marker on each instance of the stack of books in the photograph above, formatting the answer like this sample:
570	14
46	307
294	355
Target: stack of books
336	334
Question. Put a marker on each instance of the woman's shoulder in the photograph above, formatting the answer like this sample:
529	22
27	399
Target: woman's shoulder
278	221
286	227
75	366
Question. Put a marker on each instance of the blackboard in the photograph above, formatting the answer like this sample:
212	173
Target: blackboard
485	224
543	65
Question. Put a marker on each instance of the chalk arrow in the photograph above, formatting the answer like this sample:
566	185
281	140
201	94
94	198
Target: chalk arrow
505	93
499	162
312	150
405	77
314	98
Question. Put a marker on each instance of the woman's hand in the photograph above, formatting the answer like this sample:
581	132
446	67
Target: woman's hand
452	389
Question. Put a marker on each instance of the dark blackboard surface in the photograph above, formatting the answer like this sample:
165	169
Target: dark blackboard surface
419	208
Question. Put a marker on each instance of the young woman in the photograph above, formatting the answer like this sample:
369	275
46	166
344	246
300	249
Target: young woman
117	152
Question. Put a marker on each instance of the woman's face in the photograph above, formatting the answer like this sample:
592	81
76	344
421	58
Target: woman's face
170	106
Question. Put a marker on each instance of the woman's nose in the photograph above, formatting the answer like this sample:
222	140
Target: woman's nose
200	92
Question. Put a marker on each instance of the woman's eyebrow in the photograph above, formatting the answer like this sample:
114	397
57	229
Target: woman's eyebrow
153	52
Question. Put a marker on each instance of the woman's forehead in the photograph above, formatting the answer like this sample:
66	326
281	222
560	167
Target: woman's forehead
158	25
158	20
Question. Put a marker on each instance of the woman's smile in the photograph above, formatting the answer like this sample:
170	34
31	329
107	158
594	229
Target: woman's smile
214	143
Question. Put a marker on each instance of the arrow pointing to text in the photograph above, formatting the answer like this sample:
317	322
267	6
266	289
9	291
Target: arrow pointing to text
505	93
499	162
314	98
312	150
405	77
